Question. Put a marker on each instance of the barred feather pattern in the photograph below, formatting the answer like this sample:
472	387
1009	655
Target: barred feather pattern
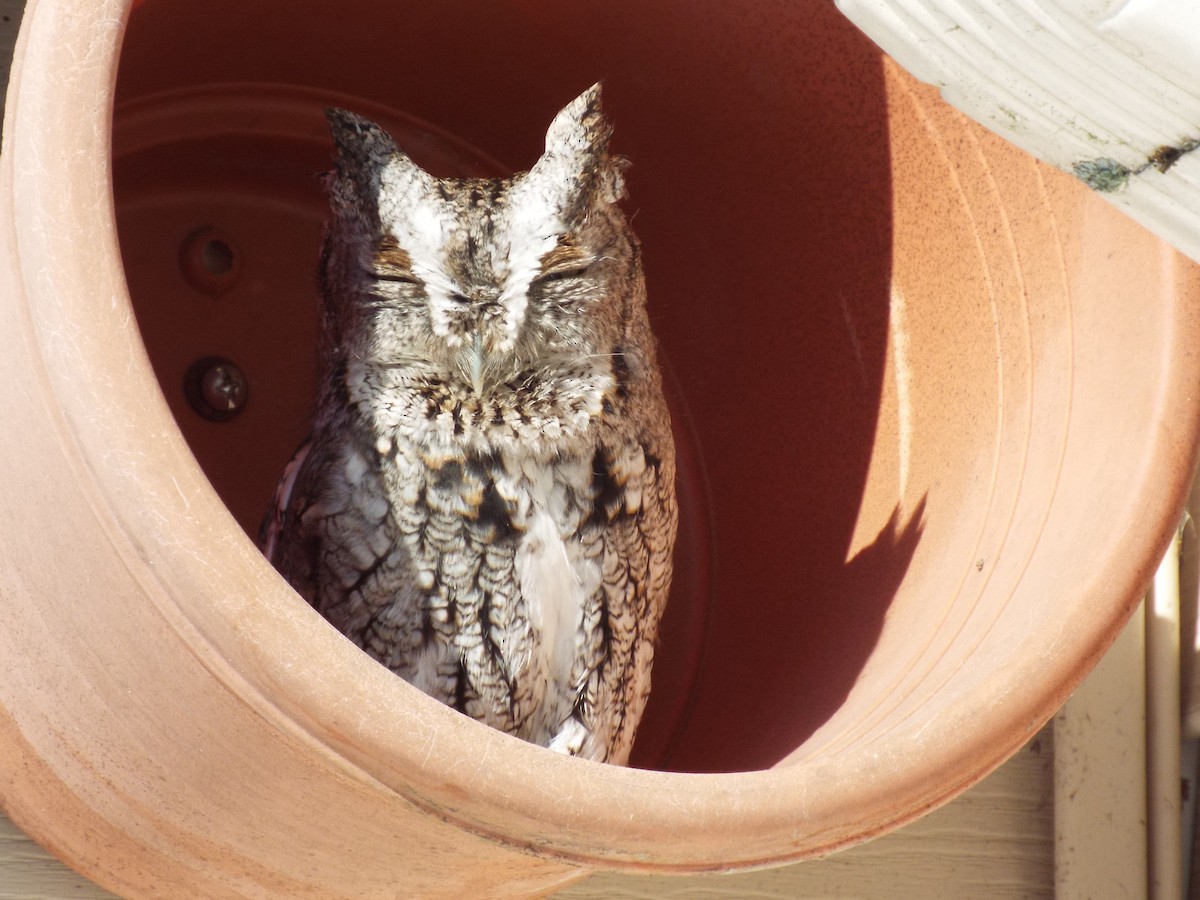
486	504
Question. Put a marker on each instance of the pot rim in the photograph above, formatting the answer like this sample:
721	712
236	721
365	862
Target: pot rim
192	561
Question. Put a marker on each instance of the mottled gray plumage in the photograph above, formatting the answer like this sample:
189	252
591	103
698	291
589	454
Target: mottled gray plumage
486	504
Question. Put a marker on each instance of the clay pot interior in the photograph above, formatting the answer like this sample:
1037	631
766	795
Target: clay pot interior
217	146
841	470
932	399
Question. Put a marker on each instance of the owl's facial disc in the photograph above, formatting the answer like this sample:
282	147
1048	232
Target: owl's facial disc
489	280
474	251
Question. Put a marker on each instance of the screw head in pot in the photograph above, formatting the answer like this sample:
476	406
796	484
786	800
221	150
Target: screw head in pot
216	388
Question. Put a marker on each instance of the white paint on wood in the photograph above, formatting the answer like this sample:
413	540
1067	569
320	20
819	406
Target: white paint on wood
1099	83
1163	772
1100	780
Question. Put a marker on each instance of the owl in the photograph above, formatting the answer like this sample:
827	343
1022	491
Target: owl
486	504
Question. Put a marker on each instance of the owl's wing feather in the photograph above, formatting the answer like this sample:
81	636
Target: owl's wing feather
636	517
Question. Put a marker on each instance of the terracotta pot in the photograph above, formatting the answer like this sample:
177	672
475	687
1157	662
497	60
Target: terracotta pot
936	405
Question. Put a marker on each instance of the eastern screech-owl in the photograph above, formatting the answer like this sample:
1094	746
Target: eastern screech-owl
486	504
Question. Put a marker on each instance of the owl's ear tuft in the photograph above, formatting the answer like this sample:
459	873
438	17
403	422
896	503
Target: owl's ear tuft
360	145
362	151
576	157
580	129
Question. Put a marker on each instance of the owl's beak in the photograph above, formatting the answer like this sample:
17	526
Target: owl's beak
475	360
